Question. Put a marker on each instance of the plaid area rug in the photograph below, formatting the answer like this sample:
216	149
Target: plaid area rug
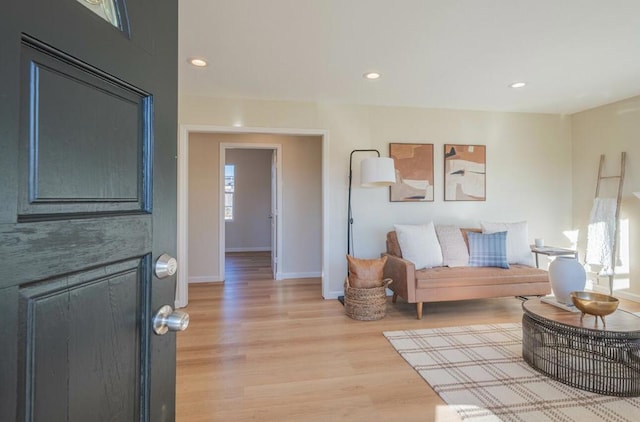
478	370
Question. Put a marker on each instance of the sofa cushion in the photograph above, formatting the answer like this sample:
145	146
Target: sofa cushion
488	250
419	244
454	248
478	276
518	249
365	273
393	247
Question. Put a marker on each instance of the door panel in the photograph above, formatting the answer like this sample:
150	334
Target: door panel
88	124
76	323
85	137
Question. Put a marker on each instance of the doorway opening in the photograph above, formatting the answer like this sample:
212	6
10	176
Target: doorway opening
214	262
251	198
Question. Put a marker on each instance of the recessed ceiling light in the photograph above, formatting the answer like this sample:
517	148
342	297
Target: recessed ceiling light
371	75
518	85
197	62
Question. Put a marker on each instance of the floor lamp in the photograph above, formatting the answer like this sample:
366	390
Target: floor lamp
374	172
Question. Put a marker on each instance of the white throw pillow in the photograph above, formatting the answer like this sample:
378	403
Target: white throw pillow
419	244
454	250
518	249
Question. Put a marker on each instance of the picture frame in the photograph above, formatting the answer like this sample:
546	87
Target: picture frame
413	164
465	172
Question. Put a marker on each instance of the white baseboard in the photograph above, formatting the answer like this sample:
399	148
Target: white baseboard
336	293
206	279
286	276
618	293
627	295
600	289
255	249
282	276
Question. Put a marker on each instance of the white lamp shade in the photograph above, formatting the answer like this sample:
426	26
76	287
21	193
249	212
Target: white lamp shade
637	194
377	171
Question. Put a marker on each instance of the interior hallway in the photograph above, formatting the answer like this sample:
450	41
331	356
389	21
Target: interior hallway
247	266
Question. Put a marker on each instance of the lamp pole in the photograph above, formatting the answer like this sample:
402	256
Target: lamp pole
349	215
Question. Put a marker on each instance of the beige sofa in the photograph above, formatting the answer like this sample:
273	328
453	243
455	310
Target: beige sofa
440	284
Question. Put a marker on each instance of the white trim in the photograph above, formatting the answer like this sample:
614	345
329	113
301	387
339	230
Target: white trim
256	249
333	294
182	278
634	297
206	279
274	211
600	289
183	199
224	146
325	214
288	276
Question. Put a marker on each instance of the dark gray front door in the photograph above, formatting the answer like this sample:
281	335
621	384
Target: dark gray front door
88	112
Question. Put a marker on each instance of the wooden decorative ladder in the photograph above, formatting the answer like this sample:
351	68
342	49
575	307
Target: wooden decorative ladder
620	178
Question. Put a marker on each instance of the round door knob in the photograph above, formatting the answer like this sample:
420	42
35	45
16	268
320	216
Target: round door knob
166	319
166	266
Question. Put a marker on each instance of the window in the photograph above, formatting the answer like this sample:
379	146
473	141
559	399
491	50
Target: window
106	9
229	190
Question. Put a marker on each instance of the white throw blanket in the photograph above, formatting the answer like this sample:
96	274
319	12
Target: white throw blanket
601	232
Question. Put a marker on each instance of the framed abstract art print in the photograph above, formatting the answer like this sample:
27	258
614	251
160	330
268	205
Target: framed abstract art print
465	172
414	172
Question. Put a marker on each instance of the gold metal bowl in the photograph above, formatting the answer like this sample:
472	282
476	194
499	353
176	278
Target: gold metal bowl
594	304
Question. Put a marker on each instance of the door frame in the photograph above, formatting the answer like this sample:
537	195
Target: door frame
182	291
276	189
222	233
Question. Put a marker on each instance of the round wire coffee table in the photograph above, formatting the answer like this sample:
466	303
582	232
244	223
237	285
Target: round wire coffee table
604	360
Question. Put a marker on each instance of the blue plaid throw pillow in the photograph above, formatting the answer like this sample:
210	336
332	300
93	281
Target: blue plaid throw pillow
488	250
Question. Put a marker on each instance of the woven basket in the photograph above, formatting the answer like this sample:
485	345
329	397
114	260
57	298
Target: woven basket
366	304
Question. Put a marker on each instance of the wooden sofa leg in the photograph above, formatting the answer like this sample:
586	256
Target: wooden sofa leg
394	298
419	309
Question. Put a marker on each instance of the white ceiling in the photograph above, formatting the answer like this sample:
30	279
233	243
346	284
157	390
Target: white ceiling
461	54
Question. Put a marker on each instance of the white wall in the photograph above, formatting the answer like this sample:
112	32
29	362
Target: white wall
203	213
528	166
301	194
610	130
250	229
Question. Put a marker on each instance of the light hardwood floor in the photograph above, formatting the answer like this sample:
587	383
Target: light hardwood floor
264	350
